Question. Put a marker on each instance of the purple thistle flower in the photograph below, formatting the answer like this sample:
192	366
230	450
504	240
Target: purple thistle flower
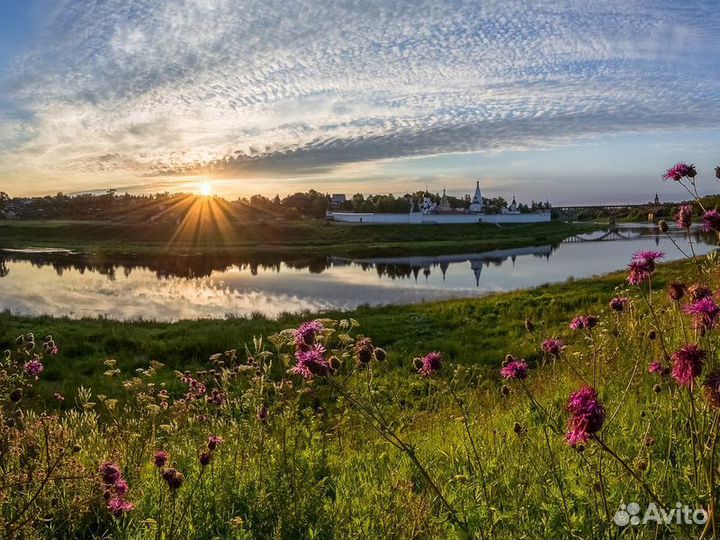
711	386
587	415
119	506
311	362
687	364
34	368
306	333
711	221
111	473
431	363
678	171
214	441
698	292
121	487
704	312
684	216
656	367
205	458
676	290
642	265
618	303
515	370
584	322
161	458
553	347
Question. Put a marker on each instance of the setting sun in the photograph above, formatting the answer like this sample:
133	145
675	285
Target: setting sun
205	190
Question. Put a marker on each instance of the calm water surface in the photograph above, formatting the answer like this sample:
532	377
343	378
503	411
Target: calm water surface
171	288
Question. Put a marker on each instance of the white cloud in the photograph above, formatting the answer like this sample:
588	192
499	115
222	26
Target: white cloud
117	90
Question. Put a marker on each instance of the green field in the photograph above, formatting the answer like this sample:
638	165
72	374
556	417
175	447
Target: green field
302	238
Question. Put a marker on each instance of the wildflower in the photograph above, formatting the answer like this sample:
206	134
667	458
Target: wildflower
121	487
16	395
119	506
553	347
111	473
205	458
618	303
587	415
642	266
161	458
217	398
676	290
684	216
429	364
173	478
58	397
656	367
306	333
334	363
584	322
311	362
698	292
663	226
214	441
517	369
704	312
380	354
364	350
687	364
505	390
711	386
196	389
680	170
34	368
711	221
262	413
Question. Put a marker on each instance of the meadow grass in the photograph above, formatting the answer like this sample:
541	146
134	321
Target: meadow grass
375	449
306	237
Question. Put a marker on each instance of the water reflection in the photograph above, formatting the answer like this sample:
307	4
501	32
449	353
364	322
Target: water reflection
168	287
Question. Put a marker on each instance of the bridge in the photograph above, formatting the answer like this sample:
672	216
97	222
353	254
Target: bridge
613	210
610	235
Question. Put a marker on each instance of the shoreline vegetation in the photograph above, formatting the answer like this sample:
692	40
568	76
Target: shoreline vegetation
287	239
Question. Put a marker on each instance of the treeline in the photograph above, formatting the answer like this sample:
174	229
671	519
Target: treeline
173	206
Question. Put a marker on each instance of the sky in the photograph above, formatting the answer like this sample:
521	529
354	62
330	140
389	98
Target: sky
575	101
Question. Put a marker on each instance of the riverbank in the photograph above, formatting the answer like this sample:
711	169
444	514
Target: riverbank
470	331
288	239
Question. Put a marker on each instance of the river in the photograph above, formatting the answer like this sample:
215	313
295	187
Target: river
169	288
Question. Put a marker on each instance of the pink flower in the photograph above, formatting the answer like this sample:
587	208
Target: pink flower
121	487
431	363
711	221
311	361
584	322
656	367
161	458
618	303
687	364
306	333
515	370
553	347
58	397
262	413
119	506
214	441
680	170
684	216
111	473
642	266
704	312
34	368
587	415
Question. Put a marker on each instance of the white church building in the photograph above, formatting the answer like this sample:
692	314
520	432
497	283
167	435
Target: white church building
427	212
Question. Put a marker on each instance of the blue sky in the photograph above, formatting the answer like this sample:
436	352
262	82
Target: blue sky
574	101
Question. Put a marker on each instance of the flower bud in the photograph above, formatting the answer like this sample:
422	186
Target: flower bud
663	226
